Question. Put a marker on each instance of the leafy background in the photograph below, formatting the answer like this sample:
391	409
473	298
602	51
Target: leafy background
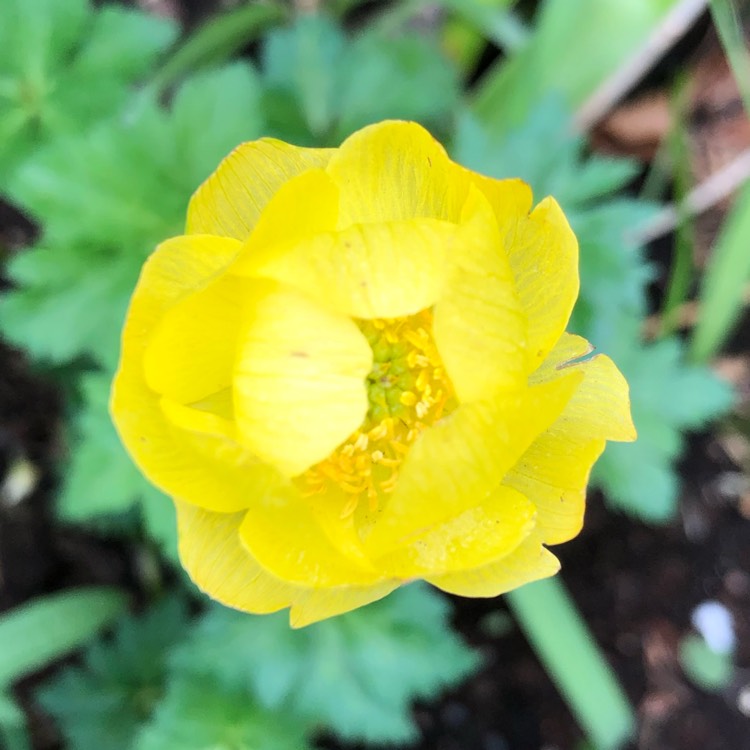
109	119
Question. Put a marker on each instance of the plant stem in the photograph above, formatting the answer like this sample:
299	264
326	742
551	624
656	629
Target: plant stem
571	657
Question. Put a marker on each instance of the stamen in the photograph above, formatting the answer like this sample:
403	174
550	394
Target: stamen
408	391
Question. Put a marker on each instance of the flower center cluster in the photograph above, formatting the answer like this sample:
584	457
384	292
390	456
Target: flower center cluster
408	390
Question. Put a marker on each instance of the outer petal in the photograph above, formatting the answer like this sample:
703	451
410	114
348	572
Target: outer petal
312	198
510	200
299	379
396	170
485	532
231	200
211	552
600	408
554	471
553	474
528	562
543	253
478	326
191	352
384	270
204	469
284	536
456	463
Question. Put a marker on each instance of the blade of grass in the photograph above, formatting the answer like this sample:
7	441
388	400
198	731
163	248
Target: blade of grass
13	724
47	628
726	18
727	274
682	270
572	659
575	46
216	41
724	282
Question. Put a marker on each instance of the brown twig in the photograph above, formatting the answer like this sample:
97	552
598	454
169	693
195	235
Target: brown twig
711	191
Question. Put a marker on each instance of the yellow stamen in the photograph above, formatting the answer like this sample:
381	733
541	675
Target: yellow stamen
408	391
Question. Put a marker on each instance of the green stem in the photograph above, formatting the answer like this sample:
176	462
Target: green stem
726	17
571	657
217	40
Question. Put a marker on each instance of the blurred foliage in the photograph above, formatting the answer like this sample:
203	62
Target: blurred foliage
64	66
230	680
104	136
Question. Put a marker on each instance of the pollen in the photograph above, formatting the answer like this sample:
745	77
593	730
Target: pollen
408	390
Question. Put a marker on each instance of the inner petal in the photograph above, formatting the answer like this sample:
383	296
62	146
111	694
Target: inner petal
299	378
407	390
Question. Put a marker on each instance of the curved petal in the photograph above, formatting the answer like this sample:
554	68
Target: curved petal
191	352
396	170
455	464
283	535
485	532
211	552
600	408
543	253
218	563
311	198
385	270
510	200
204	469
529	562
299	380
312	605
553	474
479	328
231	200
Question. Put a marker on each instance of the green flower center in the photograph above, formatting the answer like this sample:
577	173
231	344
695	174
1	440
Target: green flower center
408	390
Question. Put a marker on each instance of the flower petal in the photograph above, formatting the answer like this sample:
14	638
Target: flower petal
312	605
482	533
191	352
312	198
600	408
204	469
478	326
553	474
231	200
283	535
529	562
396	170
456	463
543	253
510	200
218	563
384	270
211	552
299	379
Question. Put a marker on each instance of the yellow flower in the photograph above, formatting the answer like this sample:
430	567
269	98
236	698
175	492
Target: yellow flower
352	371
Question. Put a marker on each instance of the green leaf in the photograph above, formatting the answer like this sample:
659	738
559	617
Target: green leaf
668	396
201	714
47	628
305	59
356	673
65	66
102	483
134	175
102	704
323	83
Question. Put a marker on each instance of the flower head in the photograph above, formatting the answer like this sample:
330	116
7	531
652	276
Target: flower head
352	371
